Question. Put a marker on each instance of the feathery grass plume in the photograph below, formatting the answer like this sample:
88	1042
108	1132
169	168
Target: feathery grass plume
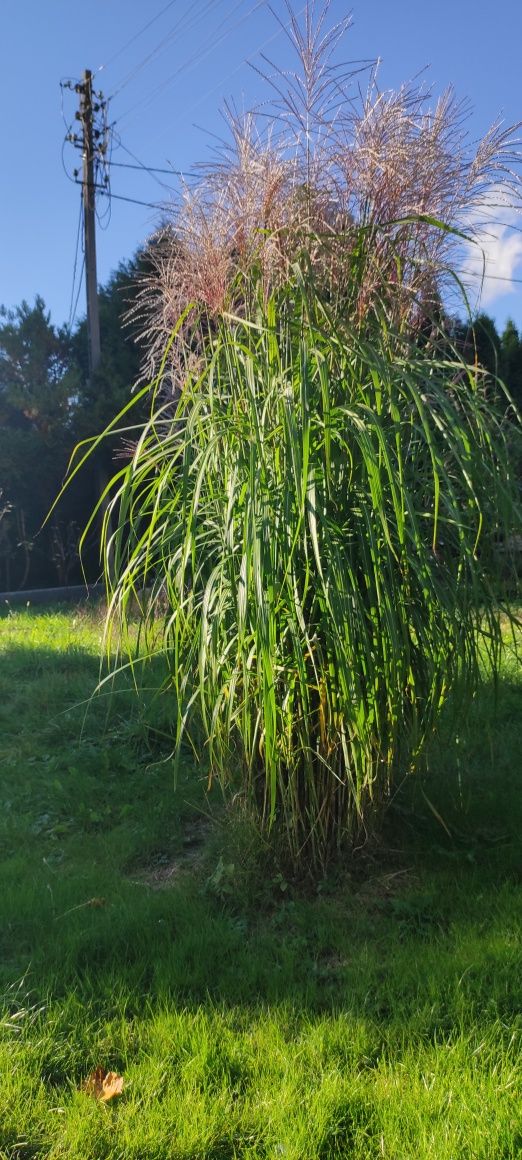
314	500
320	162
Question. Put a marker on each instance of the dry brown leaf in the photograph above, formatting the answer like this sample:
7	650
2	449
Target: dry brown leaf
103	1085
94	902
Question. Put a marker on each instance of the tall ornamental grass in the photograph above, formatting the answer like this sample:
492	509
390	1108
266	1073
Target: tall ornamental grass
313	505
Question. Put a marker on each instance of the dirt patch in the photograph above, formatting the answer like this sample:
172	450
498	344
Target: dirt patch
384	887
165	868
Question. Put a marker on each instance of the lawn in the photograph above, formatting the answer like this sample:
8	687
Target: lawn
376	1014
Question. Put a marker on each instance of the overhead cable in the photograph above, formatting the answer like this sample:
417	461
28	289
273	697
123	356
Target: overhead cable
186	23
245	60
194	60
120	197
74	302
148	169
136	36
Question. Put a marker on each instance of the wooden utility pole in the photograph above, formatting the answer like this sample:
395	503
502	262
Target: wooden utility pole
89	221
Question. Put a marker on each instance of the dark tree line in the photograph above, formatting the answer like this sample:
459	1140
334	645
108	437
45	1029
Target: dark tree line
499	354
48	405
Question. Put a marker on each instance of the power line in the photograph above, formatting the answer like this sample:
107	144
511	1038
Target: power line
196	59
78	292
119	196
73	308
149	168
490	277
135	201
136	36
185	24
245	60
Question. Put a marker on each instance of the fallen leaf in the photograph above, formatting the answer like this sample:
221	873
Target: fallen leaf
93	902
103	1085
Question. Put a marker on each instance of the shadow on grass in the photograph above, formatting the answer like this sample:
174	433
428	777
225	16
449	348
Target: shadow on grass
251	1016
91	797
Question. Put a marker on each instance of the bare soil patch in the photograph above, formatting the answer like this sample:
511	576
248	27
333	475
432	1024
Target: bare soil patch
165	867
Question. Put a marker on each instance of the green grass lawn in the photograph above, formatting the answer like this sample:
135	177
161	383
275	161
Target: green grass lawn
377	1015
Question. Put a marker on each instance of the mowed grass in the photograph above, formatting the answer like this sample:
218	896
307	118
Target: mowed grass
374	1015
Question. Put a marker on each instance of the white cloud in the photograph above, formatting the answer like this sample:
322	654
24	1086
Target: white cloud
495	257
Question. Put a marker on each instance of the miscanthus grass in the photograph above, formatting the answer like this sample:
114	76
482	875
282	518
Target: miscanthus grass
319	522
313	507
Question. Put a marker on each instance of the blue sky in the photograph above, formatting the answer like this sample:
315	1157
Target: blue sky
168	83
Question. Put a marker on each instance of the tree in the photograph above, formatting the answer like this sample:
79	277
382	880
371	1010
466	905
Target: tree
478	343
511	360
101	396
48	405
486	344
38	387
36	382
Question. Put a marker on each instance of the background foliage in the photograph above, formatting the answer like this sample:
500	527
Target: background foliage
48	404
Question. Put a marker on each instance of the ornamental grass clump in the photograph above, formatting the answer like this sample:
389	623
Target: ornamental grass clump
313	505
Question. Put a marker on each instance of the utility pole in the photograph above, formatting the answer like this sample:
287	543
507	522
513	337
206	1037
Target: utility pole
89	221
92	142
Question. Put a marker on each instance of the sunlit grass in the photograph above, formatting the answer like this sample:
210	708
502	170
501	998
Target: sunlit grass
376	1015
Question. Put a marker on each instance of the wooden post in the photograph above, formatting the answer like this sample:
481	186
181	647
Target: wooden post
89	220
